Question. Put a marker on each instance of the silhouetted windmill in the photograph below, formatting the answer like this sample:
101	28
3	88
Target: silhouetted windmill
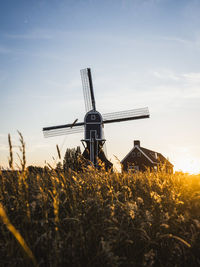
93	123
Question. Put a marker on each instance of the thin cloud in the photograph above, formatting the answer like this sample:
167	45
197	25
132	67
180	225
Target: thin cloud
34	35
192	42
166	74
4	50
178	40
193	77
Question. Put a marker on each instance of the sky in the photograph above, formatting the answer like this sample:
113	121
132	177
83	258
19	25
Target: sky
142	53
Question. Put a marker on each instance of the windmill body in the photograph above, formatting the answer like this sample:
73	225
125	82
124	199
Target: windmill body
93	123
93	136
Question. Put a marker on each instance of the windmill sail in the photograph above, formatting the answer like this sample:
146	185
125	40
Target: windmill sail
64	129
133	114
88	91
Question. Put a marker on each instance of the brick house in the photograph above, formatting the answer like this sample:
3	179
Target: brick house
140	158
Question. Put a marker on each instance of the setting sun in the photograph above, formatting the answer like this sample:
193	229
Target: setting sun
188	165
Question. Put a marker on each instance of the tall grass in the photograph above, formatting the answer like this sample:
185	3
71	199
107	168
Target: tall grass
99	218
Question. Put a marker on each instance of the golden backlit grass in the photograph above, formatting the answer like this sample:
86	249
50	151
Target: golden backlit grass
16	234
99	218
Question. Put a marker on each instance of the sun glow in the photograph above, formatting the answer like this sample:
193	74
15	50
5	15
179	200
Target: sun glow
188	164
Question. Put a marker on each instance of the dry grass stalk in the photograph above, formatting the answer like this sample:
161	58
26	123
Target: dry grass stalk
22	149
17	235
11	153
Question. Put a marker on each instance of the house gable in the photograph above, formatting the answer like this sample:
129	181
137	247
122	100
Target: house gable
137	148
137	160
143	158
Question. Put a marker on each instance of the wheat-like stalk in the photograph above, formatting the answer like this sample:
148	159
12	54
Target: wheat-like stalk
17	235
22	149
11	153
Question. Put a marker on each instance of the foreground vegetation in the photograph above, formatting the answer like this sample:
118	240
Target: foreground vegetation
97	218
100	218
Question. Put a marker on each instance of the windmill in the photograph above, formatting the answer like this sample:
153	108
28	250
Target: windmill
93	123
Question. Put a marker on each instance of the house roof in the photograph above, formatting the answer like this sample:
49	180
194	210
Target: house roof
156	156
153	156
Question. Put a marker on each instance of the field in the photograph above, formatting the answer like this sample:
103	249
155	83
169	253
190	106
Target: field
98	218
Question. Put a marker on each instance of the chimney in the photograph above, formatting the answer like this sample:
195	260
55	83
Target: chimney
137	143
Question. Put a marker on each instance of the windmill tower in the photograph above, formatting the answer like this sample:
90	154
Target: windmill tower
93	123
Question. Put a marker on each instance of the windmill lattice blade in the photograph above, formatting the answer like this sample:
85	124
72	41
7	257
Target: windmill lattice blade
91	89
63	131
133	114
74	124
86	89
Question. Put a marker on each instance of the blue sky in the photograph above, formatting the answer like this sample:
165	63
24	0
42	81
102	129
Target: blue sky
141	52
